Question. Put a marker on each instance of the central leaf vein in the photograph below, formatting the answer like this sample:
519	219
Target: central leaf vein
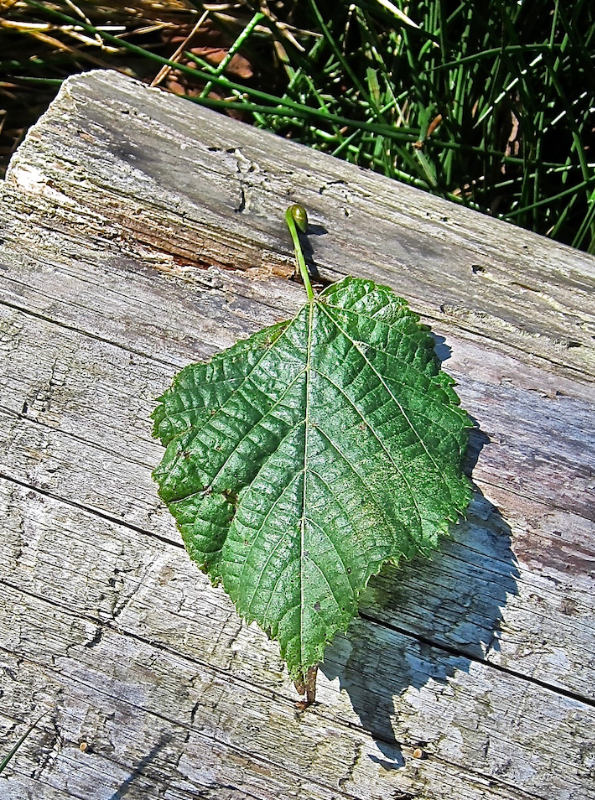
267	413
304	482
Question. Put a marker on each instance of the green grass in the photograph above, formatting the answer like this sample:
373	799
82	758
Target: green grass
490	105
12	752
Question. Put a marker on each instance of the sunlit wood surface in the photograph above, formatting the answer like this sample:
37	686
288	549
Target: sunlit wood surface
139	233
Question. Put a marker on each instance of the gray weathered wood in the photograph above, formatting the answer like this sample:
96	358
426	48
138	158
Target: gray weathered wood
140	232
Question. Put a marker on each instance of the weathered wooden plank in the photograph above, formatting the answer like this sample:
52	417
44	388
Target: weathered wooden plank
519	410
148	745
153	593
430	599
457	599
133	752
102	402
121	263
197	187
188	326
238	712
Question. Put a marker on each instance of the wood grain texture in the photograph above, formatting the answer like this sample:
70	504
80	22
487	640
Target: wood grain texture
140	233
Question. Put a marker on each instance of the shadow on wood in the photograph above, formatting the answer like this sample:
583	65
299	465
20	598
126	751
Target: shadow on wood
140	233
128	785
468	580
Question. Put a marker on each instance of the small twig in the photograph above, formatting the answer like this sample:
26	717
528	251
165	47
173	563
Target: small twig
85	18
164	71
307	686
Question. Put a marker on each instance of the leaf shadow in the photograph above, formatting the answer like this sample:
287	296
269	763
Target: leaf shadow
317	280
442	350
139	772
426	620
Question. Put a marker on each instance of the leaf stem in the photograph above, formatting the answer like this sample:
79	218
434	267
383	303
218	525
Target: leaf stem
296	217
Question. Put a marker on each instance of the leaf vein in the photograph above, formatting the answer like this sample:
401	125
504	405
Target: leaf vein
198	428
401	409
344	510
379	440
371	491
255	540
320	528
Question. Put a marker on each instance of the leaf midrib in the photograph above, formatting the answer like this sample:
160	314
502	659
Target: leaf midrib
311	304
307	370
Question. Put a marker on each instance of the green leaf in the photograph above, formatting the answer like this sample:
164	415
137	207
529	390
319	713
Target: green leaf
300	460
